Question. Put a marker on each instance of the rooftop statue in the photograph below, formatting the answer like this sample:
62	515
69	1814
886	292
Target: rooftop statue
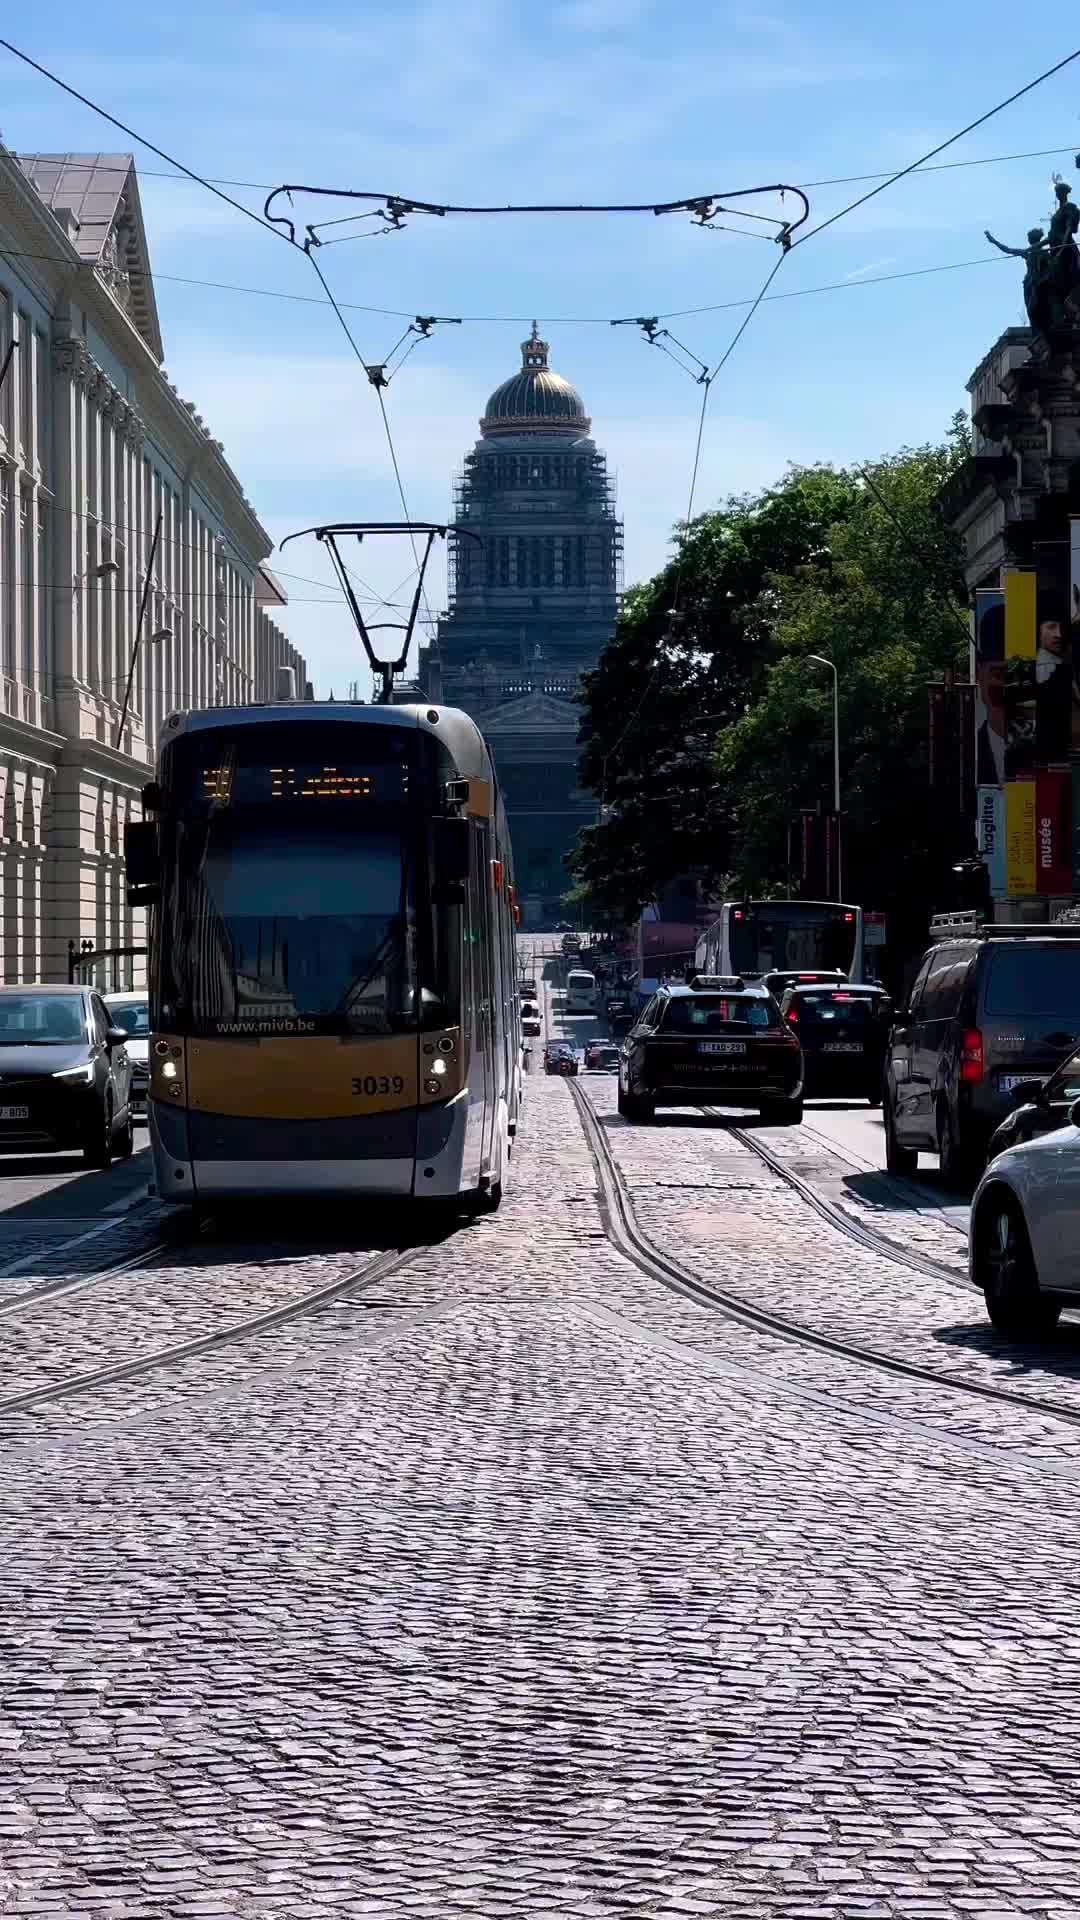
1051	264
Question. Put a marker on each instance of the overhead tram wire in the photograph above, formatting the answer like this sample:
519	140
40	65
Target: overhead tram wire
186	172
524	319
903	172
368	369
836	180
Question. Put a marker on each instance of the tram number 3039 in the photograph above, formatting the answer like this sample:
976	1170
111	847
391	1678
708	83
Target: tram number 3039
373	1084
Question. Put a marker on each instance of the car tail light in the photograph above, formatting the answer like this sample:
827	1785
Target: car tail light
792	1017
971	1057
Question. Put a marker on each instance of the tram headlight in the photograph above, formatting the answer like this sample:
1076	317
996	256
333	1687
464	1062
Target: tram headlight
168	1070
438	1066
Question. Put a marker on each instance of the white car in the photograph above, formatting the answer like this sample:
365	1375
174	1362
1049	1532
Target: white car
1024	1243
132	1012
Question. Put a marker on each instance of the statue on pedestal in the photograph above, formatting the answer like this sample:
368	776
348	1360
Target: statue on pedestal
1052	264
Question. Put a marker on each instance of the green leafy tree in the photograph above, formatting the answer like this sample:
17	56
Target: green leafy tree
705	732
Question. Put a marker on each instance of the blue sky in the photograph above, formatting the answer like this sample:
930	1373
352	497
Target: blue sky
561	100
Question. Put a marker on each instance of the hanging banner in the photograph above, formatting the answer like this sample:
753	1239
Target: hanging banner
991	818
989	687
1053	832
1053	682
1020	610
1020	837
1074	630
1076	830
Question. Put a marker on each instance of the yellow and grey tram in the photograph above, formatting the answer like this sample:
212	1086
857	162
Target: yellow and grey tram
332	977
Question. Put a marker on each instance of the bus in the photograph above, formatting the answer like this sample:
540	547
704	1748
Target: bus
332	972
767	936
582	994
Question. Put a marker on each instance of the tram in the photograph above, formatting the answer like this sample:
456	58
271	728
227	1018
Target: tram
331	956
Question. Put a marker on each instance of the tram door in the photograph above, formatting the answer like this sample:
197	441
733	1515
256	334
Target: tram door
481	1004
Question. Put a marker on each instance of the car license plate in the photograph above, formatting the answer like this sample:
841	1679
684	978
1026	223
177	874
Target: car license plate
1007	1081
14	1113
722	1046
841	1046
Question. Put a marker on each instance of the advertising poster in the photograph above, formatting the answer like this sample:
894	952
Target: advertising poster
1074	628
990	686
1053	682
1020	650
1053	832
991	817
1020	837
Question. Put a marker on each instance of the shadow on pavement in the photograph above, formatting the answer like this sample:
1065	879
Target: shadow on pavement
1058	1353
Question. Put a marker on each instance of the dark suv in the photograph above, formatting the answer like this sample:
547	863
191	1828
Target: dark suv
718	1039
988	1012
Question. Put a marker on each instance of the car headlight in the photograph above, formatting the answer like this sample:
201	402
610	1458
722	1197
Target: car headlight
76	1076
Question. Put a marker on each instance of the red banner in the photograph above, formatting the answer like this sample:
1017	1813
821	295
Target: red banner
1053	832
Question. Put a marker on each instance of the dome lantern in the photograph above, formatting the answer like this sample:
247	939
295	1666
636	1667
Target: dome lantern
536	400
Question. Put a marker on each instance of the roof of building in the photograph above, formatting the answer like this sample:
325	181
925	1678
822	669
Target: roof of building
100	193
536	400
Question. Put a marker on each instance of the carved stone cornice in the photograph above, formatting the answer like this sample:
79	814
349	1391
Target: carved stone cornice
70	359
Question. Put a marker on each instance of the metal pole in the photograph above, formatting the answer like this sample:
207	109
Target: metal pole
143	598
8	357
836	782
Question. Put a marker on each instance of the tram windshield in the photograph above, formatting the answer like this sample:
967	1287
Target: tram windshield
298	898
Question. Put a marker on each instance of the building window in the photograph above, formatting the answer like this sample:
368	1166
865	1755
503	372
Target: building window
504	562
534	563
566	576
579	569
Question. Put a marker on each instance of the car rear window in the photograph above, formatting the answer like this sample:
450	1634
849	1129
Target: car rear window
1034	980
715	1012
853	1012
134	1019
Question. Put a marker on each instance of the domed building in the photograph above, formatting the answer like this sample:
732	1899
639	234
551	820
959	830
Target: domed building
533	599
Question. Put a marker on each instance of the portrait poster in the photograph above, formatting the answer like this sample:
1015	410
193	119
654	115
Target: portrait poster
989	687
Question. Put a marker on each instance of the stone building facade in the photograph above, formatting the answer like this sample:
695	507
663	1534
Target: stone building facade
533	600
97	453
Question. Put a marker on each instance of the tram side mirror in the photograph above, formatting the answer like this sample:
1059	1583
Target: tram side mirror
142	863
452	841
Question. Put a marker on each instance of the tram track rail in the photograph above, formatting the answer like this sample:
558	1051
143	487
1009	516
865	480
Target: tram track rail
868	1237
628	1237
172	1353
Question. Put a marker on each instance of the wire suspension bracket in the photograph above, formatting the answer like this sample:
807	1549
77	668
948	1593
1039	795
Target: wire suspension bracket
384	672
394	209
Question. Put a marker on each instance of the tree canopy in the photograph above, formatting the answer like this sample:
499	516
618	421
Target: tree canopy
707	727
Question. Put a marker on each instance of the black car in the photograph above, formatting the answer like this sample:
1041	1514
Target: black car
779	982
991	1008
843	1031
65	1079
717	1039
1041	1107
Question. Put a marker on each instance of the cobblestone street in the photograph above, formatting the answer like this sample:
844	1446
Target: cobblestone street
511	1582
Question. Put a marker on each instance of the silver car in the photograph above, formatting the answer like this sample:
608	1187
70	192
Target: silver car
1024	1245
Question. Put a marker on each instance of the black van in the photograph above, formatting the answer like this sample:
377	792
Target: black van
989	1010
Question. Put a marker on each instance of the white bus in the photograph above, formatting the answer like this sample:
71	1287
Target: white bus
581	991
772	936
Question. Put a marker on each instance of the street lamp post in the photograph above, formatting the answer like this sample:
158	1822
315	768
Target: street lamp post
820	661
